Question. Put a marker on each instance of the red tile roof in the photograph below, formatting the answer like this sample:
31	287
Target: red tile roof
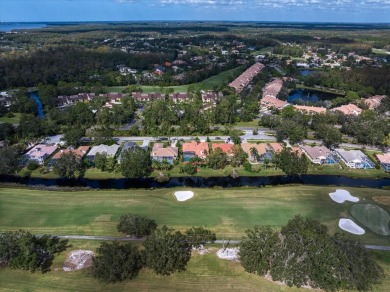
224	147
383	158
200	149
81	151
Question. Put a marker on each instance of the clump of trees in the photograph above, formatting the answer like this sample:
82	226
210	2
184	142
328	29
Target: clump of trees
165	251
291	163
303	253
25	251
136	225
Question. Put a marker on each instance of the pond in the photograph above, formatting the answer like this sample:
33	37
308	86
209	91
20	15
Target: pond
200	182
309	96
306	72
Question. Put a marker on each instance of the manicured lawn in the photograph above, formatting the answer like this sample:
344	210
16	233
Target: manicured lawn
13	120
208	84
226	211
204	273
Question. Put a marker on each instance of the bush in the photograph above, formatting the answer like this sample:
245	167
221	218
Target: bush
32	165
136	225
115	262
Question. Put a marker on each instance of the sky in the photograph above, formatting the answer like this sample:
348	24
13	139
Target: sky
361	11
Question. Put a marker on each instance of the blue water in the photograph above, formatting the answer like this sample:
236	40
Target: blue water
9	26
35	97
304	95
306	72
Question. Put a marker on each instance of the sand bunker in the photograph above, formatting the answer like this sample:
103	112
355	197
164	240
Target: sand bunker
78	259
351	227
340	196
230	254
182	196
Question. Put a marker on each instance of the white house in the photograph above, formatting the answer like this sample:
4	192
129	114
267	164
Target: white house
354	158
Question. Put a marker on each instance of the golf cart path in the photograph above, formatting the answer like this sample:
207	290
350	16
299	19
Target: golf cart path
92	237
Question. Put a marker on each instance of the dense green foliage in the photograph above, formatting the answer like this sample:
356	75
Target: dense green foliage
26	251
291	162
303	253
9	159
116	262
68	165
198	236
167	251
135	163
136	225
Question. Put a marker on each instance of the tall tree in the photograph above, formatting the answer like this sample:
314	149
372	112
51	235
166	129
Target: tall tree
116	262
291	163
167	251
136	163
257	248
9	159
136	225
68	165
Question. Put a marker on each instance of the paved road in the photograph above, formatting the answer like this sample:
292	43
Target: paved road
105	238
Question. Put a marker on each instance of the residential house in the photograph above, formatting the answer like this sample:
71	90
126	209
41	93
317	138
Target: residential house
374	101
193	149
348	109
128	145
273	88
168	154
40	153
297	150
384	160
109	150
262	150
317	154
276	147
211	97
245	78
354	158
80	152
146	97
225	147
310	110
272	102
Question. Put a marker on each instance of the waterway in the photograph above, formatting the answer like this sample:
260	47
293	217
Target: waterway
309	96
35	97
199	182
10	26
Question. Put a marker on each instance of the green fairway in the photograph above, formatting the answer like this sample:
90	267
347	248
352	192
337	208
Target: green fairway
222	78
228	212
373	217
204	273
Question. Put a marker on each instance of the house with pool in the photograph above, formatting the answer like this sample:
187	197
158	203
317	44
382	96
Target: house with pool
384	160
319	154
192	149
354	158
161	153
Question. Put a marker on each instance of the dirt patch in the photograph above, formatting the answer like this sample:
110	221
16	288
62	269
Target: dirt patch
77	260
385	200
230	254
201	250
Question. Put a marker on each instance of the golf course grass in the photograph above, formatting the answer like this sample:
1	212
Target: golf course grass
228	212
373	217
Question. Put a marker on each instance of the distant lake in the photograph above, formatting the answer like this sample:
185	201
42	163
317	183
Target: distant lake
306	72
9	26
309	95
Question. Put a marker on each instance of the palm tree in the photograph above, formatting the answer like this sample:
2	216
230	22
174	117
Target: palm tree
254	154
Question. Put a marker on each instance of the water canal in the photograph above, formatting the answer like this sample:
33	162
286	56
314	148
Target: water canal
199	182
